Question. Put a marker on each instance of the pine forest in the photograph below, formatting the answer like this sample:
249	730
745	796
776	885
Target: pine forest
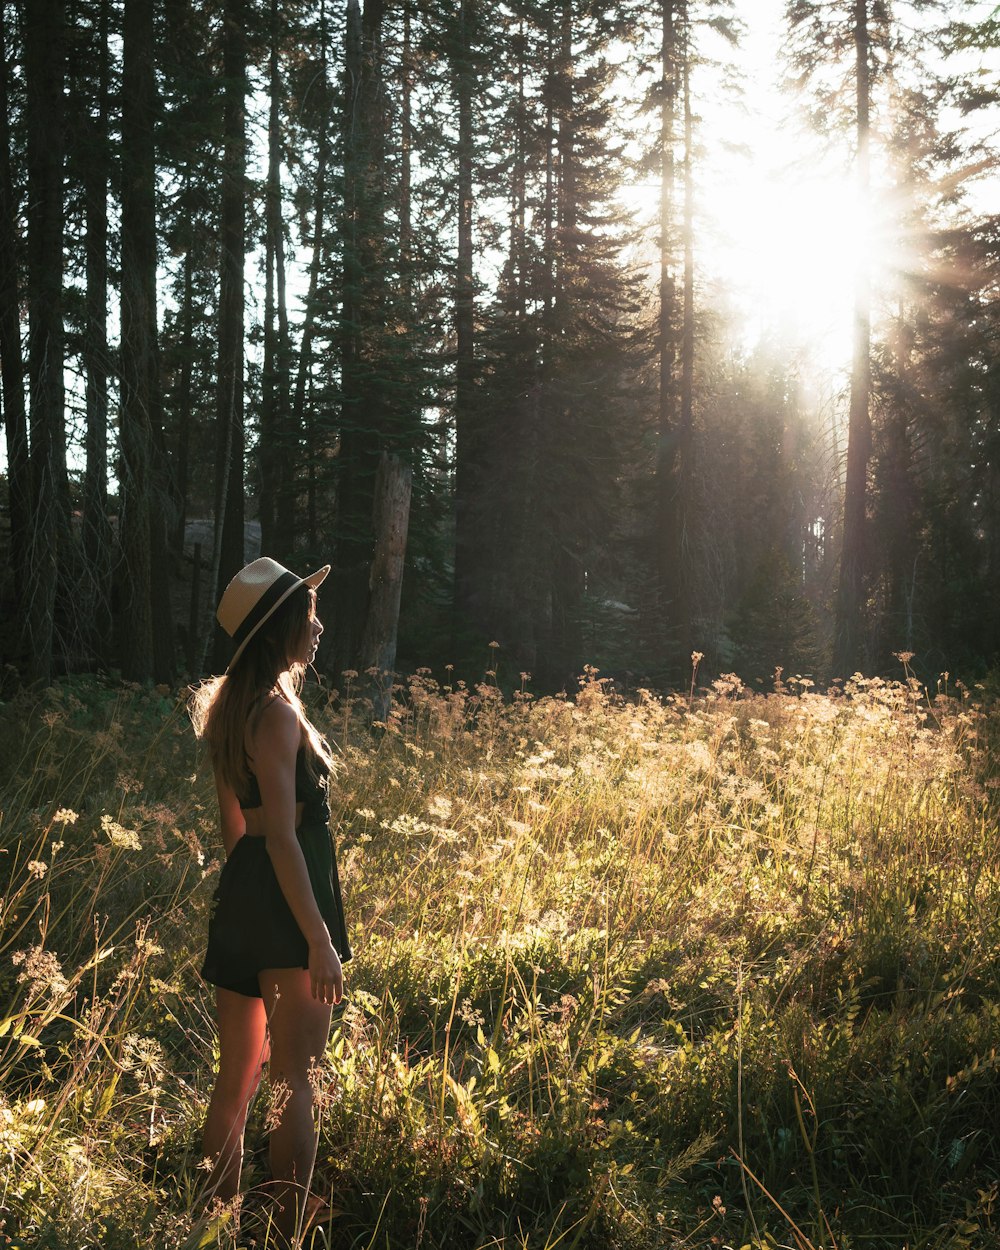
485	307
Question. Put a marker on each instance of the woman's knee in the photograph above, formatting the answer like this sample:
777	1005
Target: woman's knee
238	1082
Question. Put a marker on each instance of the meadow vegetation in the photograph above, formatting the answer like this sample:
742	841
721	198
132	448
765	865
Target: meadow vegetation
716	969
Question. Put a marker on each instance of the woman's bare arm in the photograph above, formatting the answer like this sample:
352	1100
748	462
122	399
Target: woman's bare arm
274	748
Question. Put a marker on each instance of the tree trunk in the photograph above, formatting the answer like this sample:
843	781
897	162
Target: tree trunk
138	343
185	401
363	313
44	50
11	359
385	583
564	568
229	498
685	430
302	417
276	442
849	622
98	539
665	541
468	609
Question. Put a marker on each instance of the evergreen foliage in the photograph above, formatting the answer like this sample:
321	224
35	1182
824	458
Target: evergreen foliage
440	271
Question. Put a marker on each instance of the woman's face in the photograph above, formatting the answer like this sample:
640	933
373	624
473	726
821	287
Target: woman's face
315	628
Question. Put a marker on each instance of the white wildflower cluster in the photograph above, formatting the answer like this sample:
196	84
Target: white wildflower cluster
144	1057
472	1016
118	835
440	807
41	971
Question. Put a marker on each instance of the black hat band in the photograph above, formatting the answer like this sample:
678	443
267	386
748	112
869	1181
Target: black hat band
265	605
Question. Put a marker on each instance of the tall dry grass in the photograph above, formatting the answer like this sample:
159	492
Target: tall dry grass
719	969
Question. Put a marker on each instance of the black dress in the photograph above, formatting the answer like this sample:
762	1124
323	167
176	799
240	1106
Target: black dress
252	926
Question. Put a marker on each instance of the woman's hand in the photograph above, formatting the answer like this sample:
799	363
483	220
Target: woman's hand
326	976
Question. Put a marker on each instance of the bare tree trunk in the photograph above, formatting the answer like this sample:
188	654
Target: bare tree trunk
229	498
276	440
363	312
11	359
849	622
44	51
185	401
303	420
665	540
393	484
685	431
561	654
98	539
138	338
468	440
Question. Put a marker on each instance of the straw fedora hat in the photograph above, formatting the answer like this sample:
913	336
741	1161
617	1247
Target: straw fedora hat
255	594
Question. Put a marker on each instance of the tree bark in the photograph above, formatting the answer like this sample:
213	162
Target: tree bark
185	401
363	313
303	421
44	52
11	358
277	441
138	343
849	621
665	540
685	431
229	497
468	609
390	522
561	652
98	539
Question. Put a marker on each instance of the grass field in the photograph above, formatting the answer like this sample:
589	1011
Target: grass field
715	970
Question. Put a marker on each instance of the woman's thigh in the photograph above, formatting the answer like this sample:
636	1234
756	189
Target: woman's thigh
243	1044
299	1024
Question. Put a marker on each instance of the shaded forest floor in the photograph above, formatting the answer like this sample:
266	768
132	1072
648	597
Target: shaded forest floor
661	973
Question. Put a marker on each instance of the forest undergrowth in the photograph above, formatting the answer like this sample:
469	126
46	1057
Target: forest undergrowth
717	969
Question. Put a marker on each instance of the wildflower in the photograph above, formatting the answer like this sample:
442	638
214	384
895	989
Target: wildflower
37	869
472	1016
119	836
281	1091
144	1056
440	807
40	971
324	1084
65	816
365	813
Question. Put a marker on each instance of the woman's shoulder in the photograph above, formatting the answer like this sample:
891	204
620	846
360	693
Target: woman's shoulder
278	727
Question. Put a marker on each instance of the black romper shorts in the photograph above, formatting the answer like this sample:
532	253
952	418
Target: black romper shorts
252	926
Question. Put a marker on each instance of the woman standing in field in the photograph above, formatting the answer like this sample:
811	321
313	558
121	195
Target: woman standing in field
277	939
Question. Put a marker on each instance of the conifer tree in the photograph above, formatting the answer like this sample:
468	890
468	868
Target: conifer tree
11	356
44	53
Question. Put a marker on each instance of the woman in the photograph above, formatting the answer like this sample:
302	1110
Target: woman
277	939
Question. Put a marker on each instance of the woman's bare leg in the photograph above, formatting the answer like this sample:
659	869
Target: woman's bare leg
243	1050
299	1027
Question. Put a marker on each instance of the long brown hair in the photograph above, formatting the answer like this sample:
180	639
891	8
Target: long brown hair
225	710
